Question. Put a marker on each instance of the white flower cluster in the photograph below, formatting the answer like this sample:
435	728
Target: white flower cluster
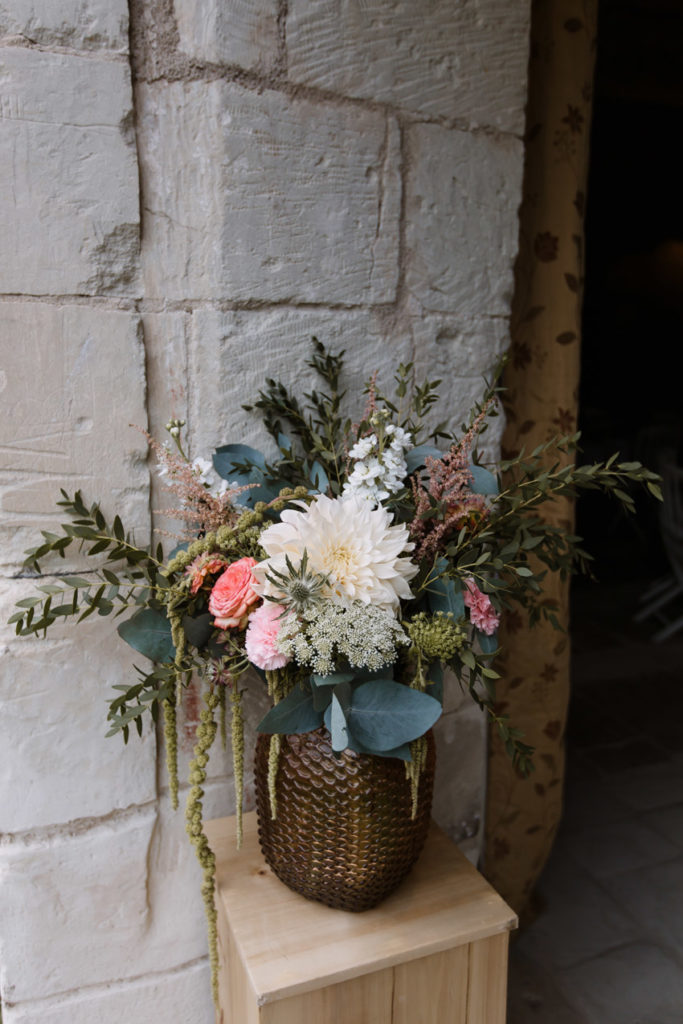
207	476
363	635
380	469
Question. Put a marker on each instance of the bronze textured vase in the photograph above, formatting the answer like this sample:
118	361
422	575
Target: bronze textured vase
343	832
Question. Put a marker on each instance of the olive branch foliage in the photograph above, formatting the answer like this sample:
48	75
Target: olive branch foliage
130	578
323	434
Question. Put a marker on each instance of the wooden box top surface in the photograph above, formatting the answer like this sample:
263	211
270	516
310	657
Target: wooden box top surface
290	945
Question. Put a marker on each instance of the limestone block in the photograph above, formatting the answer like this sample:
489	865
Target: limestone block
438	58
463	353
167	390
74	908
457	347
233	352
72	379
463	193
177	932
69	213
56	764
241	32
282	199
461	773
89	25
182	996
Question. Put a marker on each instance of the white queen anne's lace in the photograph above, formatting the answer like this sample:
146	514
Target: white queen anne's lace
362	636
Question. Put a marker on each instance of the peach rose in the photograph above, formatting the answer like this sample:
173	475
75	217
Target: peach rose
203	566
232	595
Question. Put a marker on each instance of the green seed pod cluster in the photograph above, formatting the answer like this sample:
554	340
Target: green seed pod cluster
436	637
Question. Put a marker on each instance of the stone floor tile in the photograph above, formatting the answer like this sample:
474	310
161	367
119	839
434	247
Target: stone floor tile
635	984
588	801
608	848
534	996
668	821
579	920
653	897
620	757
651	786
590	724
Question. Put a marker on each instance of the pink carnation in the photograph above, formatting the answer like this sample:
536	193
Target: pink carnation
261	637
232	595
482	612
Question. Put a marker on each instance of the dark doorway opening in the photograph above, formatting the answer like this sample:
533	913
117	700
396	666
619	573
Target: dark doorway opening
630	391
606	942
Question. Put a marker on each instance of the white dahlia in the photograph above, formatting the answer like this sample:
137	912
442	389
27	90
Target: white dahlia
352	544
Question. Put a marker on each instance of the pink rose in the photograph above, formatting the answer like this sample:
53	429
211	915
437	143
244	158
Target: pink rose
482	612
232	595
261	639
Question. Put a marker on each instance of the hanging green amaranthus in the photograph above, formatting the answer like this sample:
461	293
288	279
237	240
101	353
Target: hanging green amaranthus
237	735
206	733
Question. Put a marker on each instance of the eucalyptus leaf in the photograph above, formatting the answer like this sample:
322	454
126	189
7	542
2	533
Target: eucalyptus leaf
149	633
488	644
331	680
294	714
322	695
402	752
483	481
198	629
319	477
444	595
225	460
384	714
337	727
435	681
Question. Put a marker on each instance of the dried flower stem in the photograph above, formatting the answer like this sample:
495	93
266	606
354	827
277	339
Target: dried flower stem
273	765
414	769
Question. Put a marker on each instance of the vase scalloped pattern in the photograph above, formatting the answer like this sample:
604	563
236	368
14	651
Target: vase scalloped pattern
343	832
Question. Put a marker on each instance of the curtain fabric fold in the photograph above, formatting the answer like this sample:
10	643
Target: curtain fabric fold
541	401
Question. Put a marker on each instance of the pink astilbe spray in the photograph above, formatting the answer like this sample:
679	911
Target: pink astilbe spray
449	485
202	511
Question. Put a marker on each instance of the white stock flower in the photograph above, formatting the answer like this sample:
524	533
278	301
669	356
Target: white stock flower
352	544
377	475
204	470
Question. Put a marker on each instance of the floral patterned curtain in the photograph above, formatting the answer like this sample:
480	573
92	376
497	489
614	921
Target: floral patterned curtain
541	401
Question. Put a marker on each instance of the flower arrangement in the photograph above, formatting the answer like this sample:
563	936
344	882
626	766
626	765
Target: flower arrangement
348	570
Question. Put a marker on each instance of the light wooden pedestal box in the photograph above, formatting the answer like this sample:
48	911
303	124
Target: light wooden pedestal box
434	952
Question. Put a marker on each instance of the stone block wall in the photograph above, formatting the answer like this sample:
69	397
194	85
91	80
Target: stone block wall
191	192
